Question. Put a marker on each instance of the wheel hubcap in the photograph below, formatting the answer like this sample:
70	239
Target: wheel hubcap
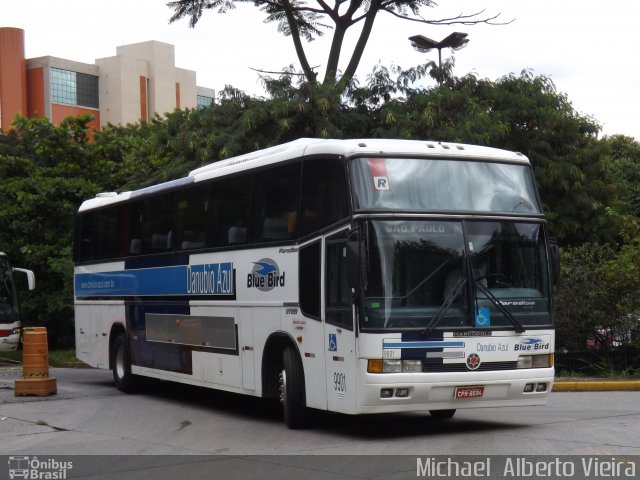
120	363
282	381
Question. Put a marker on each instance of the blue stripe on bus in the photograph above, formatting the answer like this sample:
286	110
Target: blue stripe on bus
181	280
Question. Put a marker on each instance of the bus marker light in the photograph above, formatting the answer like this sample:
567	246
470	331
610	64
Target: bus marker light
299	339
528	388
374	365
541	387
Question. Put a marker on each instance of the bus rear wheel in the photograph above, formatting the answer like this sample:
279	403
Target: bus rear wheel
291	386
122	376
442	414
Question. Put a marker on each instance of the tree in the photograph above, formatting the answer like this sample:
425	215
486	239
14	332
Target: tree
624	163
46	172
308	19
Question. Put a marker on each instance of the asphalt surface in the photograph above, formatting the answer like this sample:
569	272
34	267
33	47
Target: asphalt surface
12	369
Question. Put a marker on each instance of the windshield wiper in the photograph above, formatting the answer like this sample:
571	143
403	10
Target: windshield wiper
425	280
516	325
433	323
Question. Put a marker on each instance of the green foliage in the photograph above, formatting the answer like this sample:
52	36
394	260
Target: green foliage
46	173
589	185
597	305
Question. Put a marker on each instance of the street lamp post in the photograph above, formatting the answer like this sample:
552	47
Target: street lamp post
455	41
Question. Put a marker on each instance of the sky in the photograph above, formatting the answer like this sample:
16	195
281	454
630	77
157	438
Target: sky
589	48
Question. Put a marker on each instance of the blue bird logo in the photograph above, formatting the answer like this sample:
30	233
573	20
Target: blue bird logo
531	341
264	268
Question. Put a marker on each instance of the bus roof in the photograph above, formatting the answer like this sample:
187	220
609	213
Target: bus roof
314	146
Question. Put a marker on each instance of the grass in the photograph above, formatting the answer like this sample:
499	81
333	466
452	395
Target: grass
57	358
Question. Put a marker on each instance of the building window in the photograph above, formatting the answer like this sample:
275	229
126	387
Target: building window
203	102
73	88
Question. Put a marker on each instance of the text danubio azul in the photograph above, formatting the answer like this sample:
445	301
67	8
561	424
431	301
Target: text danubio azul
210	279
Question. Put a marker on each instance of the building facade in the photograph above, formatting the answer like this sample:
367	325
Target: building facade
141	80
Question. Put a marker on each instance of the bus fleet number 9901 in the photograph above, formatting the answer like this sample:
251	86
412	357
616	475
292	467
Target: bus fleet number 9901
339	382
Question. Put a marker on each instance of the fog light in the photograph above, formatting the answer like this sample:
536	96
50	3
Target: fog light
402	392
541	387
528	388
386	392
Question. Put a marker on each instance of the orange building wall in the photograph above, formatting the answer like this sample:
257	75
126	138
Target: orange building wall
60	112
35	86
13	76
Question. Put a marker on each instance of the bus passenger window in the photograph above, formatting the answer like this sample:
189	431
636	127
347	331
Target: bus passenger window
228	212
191	215
276	192
324	194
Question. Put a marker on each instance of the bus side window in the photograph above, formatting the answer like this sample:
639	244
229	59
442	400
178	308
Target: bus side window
324	194
159	232
276	193
309	277
228	212
191	214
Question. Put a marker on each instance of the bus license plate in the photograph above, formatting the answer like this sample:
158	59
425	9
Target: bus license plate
468	392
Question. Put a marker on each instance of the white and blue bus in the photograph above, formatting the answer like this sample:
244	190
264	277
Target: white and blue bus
352	276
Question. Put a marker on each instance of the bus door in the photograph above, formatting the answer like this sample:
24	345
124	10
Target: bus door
340	342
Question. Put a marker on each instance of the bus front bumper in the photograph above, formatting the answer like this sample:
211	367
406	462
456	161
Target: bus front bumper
405	392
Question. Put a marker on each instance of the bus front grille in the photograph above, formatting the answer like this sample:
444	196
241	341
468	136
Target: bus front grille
462	367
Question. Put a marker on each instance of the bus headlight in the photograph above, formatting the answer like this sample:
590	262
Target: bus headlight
391	366
375	365
535	361
412	366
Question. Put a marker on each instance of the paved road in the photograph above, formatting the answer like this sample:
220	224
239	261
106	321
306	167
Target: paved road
89	416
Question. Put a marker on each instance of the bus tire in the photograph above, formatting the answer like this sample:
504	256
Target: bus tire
122	376
291	385
442	414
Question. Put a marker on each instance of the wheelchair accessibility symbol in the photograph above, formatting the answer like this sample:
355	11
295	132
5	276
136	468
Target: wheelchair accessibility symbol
333	342
483	317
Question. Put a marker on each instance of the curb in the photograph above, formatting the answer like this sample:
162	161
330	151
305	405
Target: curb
596	386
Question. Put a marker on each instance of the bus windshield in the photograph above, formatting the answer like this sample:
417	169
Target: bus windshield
419	269
444	185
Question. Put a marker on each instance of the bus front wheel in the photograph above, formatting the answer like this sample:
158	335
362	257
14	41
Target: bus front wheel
291	386
122	375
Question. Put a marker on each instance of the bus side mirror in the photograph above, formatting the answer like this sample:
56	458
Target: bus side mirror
26	281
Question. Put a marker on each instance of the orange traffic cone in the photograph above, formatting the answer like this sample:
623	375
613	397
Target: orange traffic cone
35	365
